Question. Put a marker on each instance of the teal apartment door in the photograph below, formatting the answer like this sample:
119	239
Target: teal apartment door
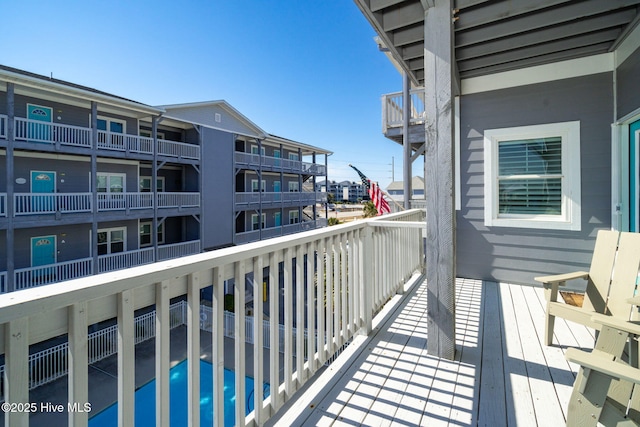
277	219
45	183
39	132
277	190
634	176
43	252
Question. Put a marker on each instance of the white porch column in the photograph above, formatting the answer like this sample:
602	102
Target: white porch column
439	178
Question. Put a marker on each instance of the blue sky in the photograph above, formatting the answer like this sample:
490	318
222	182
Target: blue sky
305	70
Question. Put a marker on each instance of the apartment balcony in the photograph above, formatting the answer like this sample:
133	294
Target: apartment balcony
69	203
379	371
393	116
276	164
30	277
267	233
336	312
253	200
60	136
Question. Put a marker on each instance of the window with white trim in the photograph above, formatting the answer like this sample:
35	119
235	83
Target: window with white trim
294	156
254	185
254	222
145	233
532	176
294	186
145	184
111	182
112	240
254	150
293	217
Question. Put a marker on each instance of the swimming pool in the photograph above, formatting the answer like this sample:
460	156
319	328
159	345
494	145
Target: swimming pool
146	399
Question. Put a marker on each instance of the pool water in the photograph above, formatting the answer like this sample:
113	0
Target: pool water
146	399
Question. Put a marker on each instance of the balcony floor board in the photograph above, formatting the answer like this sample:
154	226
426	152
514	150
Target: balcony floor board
502	373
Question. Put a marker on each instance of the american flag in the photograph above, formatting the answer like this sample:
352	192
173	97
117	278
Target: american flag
374	193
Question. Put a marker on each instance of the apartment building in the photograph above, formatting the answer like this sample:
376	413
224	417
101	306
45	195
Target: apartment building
95	182
344	191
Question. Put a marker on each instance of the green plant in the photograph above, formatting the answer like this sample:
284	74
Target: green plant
333	221
369	210
229	303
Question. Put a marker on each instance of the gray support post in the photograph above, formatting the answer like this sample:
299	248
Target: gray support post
406	144
154	187
439	163
315	192
300	206
200	187
282	191
94	185
10	187
326	180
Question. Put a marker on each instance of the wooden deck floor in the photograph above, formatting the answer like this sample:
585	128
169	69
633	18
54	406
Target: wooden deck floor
502	375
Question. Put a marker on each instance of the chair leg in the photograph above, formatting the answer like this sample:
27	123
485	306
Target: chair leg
549	323
587	399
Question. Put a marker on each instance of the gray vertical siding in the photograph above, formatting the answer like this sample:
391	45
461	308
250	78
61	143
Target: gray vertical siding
628	77
217	193
514	254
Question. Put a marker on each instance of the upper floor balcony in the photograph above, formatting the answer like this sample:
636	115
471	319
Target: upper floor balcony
393	115
69	203
253	200
269	232
364	311
277	164
61	135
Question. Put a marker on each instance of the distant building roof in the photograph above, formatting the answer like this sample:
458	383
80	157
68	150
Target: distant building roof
416	182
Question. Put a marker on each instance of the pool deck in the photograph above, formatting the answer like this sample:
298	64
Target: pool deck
502	374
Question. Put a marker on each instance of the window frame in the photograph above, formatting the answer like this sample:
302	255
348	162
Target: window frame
160	233
570	216
110	242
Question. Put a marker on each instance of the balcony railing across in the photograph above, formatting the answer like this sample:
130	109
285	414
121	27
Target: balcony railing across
30	277
64	203
341	276
293	197
277	163
56	133
393	111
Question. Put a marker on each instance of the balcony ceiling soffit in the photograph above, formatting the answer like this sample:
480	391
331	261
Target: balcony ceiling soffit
492	36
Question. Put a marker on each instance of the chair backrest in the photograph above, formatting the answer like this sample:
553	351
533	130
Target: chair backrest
604	256
625	275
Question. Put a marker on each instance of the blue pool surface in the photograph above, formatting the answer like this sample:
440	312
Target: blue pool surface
146	403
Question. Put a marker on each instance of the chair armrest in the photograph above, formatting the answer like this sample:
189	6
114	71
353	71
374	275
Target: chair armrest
600	362
634	301
616	323
560	278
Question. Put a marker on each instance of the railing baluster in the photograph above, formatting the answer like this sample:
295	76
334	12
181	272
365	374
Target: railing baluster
337	326
344	292
77	355
239	363
274	338
311	308
16	373
217	344
258	350
300	374
162	353
126	360
329	295
320	303
193	349
288	324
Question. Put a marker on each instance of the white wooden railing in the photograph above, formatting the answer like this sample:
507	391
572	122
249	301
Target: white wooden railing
44	274
120	201
279	163
30	277
45	203
351	271
37	131
306	197
3	126
178	200
121	260
45	132
177	250
392	109
178	149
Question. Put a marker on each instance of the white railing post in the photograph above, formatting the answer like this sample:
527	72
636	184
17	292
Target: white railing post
300	374
193	349
288	324
16	373
126	360
78	365
367	284
217	346
320	309
274	335
239	362
258	349
311	290
162	353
